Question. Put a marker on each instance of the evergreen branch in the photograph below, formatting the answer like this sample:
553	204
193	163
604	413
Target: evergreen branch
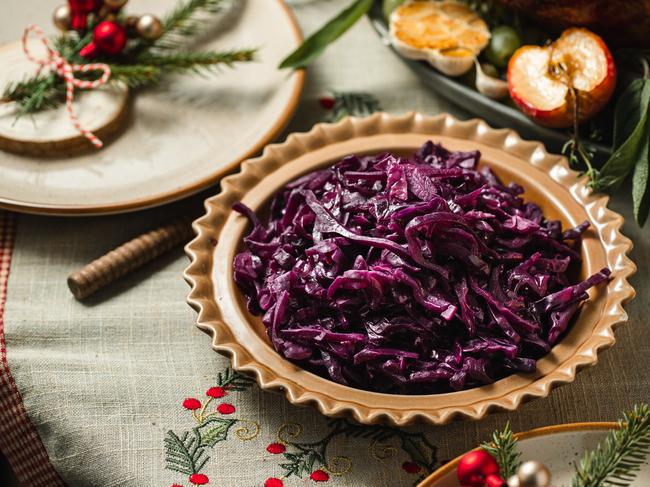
617	461
183	22
196	61
41	92
136	75
70	44
358	104
504	449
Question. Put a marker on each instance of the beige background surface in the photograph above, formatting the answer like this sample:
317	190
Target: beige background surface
103	381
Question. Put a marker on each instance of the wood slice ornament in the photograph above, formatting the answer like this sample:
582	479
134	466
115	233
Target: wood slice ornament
103	111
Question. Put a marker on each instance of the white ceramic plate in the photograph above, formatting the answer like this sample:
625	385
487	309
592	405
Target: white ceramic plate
557	447
182	136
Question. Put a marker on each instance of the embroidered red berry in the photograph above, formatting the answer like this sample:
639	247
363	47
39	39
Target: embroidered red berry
273	482
176	485
216	392
319	476
199	479
226	408
191	404
411	467
327	102
276	448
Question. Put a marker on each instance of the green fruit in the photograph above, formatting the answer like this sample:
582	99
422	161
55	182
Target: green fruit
390	5
503	43
490	70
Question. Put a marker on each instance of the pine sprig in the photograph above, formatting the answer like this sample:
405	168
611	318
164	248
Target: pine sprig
197	61
183	21
136	75
35	94
352	103
503	448
617	460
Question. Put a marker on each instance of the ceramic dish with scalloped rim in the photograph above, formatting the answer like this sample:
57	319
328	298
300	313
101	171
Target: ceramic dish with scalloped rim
548	181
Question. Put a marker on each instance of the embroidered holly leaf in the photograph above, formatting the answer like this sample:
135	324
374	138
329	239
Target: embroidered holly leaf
184	454
419	449
213	430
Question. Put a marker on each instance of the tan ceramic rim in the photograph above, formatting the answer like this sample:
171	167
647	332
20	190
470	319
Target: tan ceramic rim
188	190
332	399
443	471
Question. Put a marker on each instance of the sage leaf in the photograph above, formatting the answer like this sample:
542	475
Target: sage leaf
315	44
640	193
629	111
630	134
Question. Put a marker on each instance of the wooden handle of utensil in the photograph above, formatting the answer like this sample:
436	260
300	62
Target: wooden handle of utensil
128	257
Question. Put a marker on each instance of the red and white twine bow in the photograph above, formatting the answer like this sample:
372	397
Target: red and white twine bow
63	68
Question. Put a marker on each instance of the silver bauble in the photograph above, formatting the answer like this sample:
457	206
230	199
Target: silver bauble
62	18
149	27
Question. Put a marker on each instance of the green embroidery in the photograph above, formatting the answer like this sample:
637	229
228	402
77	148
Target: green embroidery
233	381
213	430
303	457
184	454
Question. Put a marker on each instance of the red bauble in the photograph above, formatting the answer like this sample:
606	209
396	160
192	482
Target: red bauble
108	38
477	469
79	10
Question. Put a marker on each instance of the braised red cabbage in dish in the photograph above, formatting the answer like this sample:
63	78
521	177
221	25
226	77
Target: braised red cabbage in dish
415	275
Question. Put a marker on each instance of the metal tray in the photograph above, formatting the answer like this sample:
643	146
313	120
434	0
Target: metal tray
496	113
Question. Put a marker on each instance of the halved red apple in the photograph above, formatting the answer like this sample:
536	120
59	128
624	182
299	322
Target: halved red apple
542	81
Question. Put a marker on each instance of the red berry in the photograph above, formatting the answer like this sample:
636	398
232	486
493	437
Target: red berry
276	448
191	404
226	408
199	479
411	467
319	476
327	102
176	485
216	392
273	482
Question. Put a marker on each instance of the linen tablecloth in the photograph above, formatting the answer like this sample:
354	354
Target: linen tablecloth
105	392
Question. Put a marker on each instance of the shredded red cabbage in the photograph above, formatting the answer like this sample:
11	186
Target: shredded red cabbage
411	275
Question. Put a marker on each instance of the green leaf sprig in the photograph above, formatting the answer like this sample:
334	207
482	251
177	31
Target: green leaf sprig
315	44
630	148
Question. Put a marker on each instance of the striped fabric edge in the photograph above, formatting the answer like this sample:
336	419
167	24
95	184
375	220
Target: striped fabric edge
19	441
